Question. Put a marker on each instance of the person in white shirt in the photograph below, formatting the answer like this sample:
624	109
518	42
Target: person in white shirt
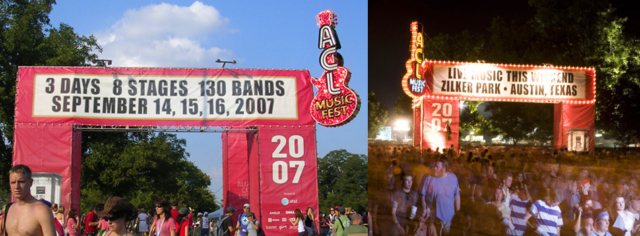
143	223
204	221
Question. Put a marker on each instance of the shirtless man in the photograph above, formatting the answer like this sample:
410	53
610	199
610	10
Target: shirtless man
27	216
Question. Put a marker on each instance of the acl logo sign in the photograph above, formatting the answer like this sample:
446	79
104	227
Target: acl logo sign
335	104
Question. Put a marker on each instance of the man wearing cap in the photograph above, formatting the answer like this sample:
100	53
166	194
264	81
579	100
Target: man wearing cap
341	222
227	223
356	227
182	224
198	224
243	221
254	225
174	210
204	223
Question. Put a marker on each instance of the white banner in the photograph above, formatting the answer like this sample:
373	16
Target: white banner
490	81
165	97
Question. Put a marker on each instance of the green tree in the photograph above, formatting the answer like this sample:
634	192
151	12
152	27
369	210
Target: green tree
27	39
618	116
517	121
377	115
470	118
574	33
343	180
141	167
461	47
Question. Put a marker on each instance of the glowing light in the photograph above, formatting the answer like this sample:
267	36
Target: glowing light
401	125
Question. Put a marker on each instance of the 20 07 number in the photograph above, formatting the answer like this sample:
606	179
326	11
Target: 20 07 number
438	124
296	150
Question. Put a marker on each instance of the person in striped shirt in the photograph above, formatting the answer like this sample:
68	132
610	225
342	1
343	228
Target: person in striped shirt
518	204
547	214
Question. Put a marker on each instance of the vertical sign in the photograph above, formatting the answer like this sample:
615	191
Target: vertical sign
413	82
335	104
288	176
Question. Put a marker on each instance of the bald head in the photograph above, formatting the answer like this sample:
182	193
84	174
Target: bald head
356	219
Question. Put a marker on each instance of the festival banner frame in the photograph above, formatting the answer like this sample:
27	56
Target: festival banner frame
432	84
26	87
52	144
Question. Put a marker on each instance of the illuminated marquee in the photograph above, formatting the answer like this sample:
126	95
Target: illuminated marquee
437	87
335	104
514	83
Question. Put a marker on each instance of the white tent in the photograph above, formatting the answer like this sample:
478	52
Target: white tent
216	214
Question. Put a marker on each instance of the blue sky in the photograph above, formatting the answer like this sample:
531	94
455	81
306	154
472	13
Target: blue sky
257	34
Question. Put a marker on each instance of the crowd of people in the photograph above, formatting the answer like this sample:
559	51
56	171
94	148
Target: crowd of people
340	221
118	217
502	191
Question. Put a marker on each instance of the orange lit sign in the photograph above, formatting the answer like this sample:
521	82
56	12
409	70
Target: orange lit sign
413	83
509	83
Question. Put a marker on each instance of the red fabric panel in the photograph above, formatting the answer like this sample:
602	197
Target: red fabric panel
417	127
76	169
46	148
238	165
25	95
579	117
225	170
254	175
280	155
437	113
557	126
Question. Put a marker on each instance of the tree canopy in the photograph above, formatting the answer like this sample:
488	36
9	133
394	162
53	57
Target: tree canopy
343	180
377	115
29	40
141	167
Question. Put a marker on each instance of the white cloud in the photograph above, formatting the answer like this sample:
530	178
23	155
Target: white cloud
215	172
165	35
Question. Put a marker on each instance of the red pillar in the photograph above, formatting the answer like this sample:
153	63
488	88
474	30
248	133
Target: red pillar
574	127
436	114
54	160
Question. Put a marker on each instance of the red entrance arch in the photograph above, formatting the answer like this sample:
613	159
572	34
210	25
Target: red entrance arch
438	86
261	167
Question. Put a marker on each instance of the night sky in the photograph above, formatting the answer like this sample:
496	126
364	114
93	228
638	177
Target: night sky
389	34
